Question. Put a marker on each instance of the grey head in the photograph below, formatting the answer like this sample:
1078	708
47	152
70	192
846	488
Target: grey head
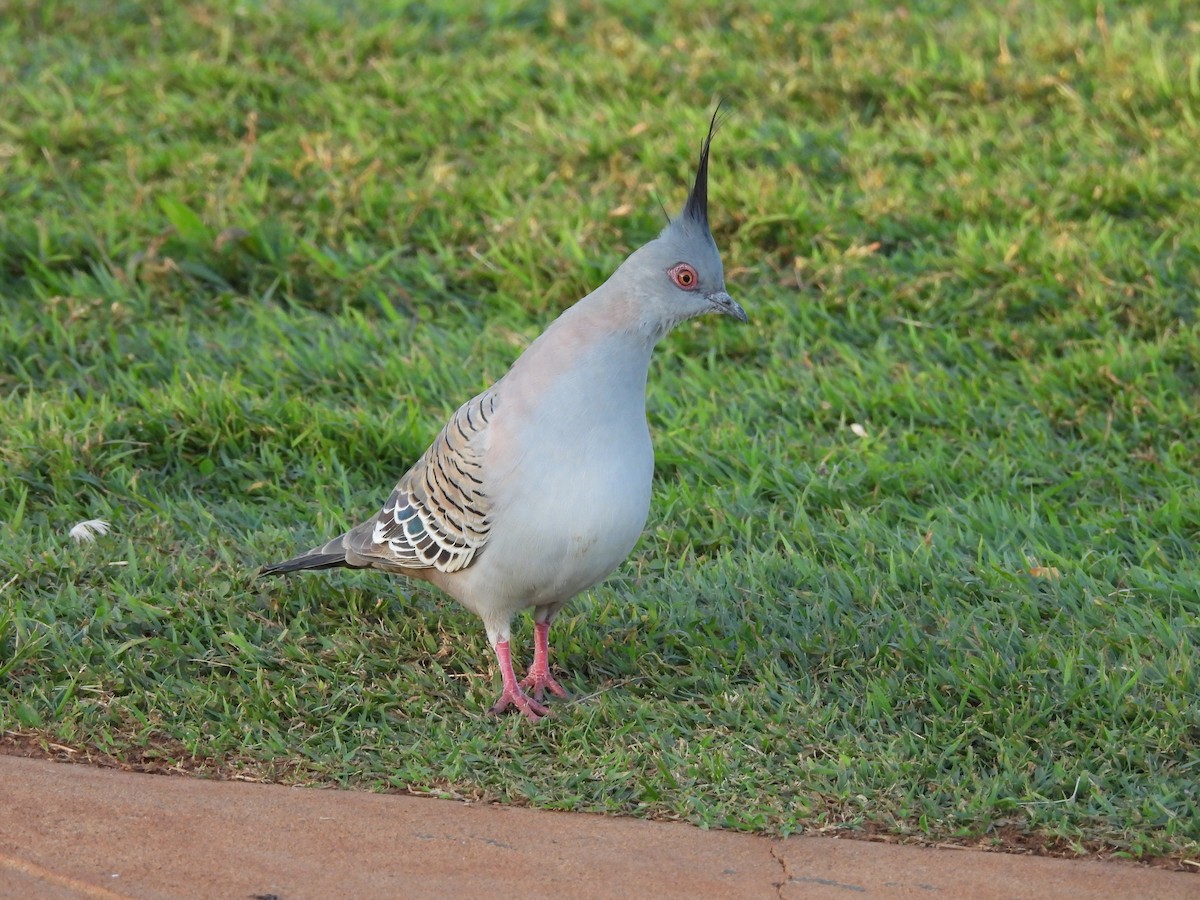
679	274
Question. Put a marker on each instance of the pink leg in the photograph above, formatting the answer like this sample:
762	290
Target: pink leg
512	695
539	680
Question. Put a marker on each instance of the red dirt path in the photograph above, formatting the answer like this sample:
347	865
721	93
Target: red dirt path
81	831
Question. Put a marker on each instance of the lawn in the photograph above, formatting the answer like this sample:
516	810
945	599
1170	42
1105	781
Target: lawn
924	553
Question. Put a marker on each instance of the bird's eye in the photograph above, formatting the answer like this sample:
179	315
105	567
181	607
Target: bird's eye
684	276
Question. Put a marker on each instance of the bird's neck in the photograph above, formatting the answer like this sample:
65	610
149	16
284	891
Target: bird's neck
587	353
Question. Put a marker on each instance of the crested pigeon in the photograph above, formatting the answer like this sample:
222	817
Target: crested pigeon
539	487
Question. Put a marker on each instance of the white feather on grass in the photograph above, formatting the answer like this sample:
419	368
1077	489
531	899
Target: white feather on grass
86	531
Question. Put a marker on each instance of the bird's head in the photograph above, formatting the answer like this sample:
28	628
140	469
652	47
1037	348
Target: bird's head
679	275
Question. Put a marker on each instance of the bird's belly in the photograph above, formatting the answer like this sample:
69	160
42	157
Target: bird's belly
572	530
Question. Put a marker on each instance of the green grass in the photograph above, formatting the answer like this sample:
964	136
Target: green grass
249	262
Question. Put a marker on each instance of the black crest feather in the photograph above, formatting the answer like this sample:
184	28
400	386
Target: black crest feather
696	207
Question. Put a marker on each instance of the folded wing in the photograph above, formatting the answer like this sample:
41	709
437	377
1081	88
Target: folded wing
439	515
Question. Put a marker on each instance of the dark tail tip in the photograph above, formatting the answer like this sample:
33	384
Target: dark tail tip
308	561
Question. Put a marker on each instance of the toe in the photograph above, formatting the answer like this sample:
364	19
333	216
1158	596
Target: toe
537	683
532	709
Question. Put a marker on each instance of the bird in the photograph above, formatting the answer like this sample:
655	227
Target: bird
538	488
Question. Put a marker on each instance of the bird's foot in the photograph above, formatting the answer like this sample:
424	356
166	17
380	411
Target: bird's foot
522	701
538	681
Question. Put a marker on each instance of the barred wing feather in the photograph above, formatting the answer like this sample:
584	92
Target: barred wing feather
439	514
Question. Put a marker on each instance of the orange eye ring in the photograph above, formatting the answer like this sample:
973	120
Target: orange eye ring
684	276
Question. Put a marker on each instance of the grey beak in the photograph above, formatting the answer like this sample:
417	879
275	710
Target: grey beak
723	303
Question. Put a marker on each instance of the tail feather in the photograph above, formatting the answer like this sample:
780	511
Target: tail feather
307	561
328	556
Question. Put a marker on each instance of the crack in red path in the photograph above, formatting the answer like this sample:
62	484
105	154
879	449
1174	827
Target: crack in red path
782	860
789	878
